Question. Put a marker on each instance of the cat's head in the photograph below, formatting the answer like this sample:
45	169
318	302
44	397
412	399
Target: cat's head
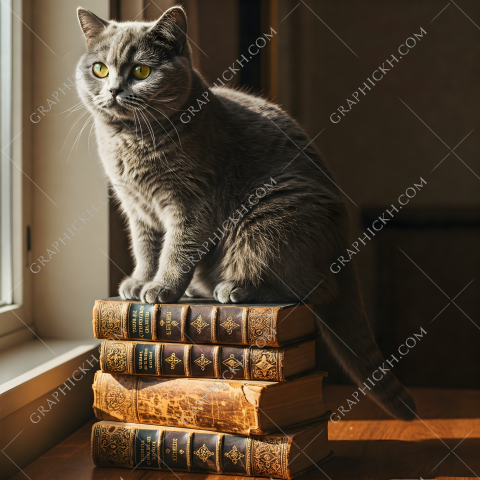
130	65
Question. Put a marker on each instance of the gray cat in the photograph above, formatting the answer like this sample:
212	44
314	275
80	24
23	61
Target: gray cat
227	199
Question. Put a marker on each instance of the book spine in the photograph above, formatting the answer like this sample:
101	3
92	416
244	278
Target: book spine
186	323
129	446
177	402
186	360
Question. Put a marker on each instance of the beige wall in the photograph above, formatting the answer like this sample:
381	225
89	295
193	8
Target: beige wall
65	287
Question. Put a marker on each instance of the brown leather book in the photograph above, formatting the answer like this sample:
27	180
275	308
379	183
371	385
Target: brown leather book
194	320
232	406
209	361
286	455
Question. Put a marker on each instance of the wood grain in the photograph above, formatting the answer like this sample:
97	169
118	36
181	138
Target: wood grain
368	444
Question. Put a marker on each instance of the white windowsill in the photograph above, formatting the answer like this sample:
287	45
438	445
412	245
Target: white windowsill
30	369
7	308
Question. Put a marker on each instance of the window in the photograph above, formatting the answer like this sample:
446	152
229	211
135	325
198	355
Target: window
6	251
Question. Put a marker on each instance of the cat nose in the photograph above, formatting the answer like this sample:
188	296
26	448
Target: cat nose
115	91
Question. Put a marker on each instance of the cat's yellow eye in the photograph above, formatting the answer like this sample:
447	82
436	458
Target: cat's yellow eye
141	72
100	70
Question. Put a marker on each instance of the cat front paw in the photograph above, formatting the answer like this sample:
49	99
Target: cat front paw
156	292
130	288
230	292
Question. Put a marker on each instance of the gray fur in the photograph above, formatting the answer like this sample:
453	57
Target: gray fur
181	182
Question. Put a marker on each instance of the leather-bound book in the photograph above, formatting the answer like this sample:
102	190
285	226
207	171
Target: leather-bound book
194	320
232	406
207	361
285	455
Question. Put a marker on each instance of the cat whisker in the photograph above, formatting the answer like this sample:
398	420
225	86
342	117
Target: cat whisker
149	127
89	133
140	123
171	123
165	100
72	109
77	140
72	127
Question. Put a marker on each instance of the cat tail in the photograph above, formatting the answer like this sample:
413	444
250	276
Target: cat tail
345	328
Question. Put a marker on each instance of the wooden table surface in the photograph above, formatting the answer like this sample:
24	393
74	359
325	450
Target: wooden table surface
443	443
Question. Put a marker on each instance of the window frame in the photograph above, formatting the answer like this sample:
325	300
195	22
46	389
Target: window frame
16	319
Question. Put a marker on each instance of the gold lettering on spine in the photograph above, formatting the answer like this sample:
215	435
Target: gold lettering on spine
158	349
174	450
154	451
150	360
145	359
148	451
141	320
147	322
168	328
134	322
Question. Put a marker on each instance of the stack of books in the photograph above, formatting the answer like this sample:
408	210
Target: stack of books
206	387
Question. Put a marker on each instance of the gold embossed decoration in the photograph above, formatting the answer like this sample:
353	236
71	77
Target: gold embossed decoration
203	453
175	324
202	361
234	455
167	450
110	319
182	452
260	326
173	360
270	457
199	324
264	364
229	325
115	400
116	357
231	362
112	447
162	323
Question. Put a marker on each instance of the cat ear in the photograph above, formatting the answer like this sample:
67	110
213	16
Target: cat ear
172	27
91	25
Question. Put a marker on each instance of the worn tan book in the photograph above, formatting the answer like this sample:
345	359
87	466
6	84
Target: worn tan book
209	361
203	321
231	406
286	455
